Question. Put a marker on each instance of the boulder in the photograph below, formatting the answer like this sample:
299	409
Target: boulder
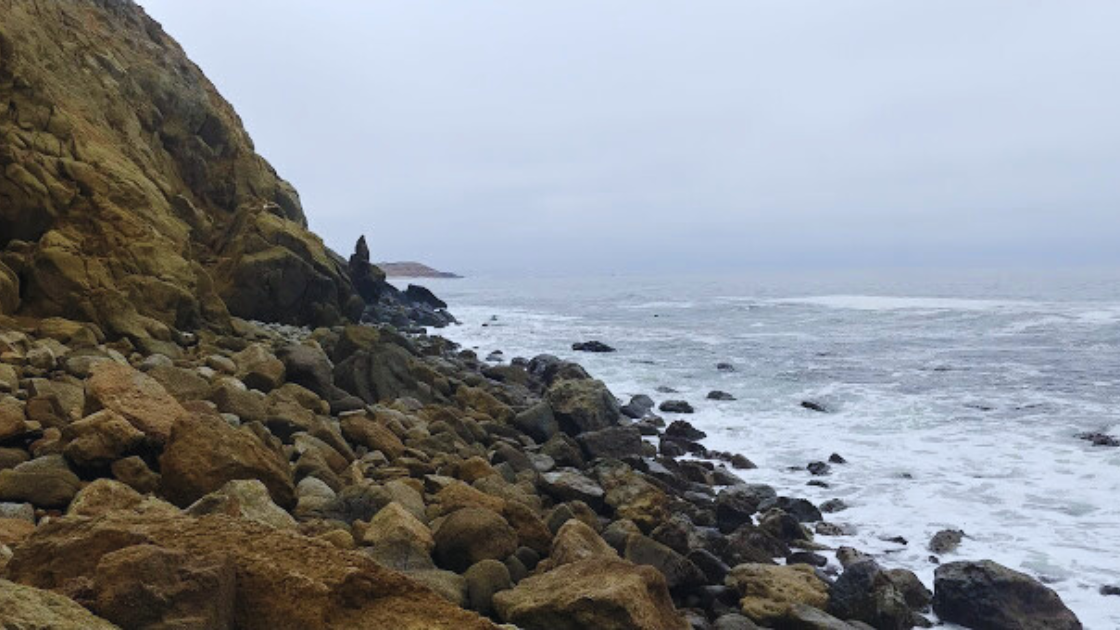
283	580
736	504
399	540
359	428
591	346
576	541
770	591
48	488
137	397
612	442
204	452
866	593
679	572
485	579
26	607
571	485
582	405
469	535
307	365
182	383
100	439
537	422
684	430
243	498
719	395
946	541
102	496
134	472
145	586
258	368
676	406
988	595
600	593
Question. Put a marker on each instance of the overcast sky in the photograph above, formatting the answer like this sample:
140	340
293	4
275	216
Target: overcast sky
644	135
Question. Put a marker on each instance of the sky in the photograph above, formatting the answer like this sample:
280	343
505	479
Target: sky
622	136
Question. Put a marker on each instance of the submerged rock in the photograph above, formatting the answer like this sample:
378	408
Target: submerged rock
591	346
946	541
676	406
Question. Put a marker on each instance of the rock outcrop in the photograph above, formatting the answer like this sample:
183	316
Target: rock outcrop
130	194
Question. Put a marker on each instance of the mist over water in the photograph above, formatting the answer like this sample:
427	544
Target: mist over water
957	396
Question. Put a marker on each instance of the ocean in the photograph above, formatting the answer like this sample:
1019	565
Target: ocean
955	397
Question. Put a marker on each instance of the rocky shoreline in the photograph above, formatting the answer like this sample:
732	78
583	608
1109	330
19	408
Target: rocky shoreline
210	420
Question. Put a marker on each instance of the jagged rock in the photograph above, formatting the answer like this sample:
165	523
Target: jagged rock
582	405
770	591
102	496
736	504
100	439
421	295
26	607
576	541
866	593
399	540
537	422
259	369
985	594
601	593
612	442
336	589
243	498
137	397
946	541
204	452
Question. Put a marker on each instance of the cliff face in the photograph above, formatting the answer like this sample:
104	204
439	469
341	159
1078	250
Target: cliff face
131	195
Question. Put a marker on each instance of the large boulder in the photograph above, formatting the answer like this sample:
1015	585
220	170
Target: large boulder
398	540
244	498
989	596
27	607
204	452
581	405
600	593
471	534
283	580
867	593
385	372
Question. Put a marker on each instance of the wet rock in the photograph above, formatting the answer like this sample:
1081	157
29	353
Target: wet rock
807	557
736	504
864	592
676	406
592	346
716	394
835	458
819	468
812	405
570	484
597	593
1108	589
725	367
849	556
801	509
203	453
769	591
33	608
946	541
612	442
682	429
833	505
638	407
1099	439
469	535
985	594
582	405
782	526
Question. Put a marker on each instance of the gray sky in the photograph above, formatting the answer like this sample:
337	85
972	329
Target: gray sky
645	135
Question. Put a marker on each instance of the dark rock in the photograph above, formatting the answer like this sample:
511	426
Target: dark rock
470	535
676	406
612	442
549	369
484	579
985	594
915	593
1110	590
740	462
714	569
582	405
592	346
801	509
1099	439
638	407
782	526
946	541
537	422
819	468
679	572
725	367
815	406
664	389
835	458
864	592
736	504
716	394
804	617
421	295
310	367
563	450
734	621
833	505
570	484
807	557
682	429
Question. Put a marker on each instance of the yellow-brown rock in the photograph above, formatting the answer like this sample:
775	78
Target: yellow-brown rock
137	397
769	591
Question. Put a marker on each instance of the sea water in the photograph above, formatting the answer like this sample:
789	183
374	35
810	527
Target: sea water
955	397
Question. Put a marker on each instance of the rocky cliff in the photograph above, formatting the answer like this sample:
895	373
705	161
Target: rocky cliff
130	193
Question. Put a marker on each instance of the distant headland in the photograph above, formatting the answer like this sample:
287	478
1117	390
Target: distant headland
409	269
